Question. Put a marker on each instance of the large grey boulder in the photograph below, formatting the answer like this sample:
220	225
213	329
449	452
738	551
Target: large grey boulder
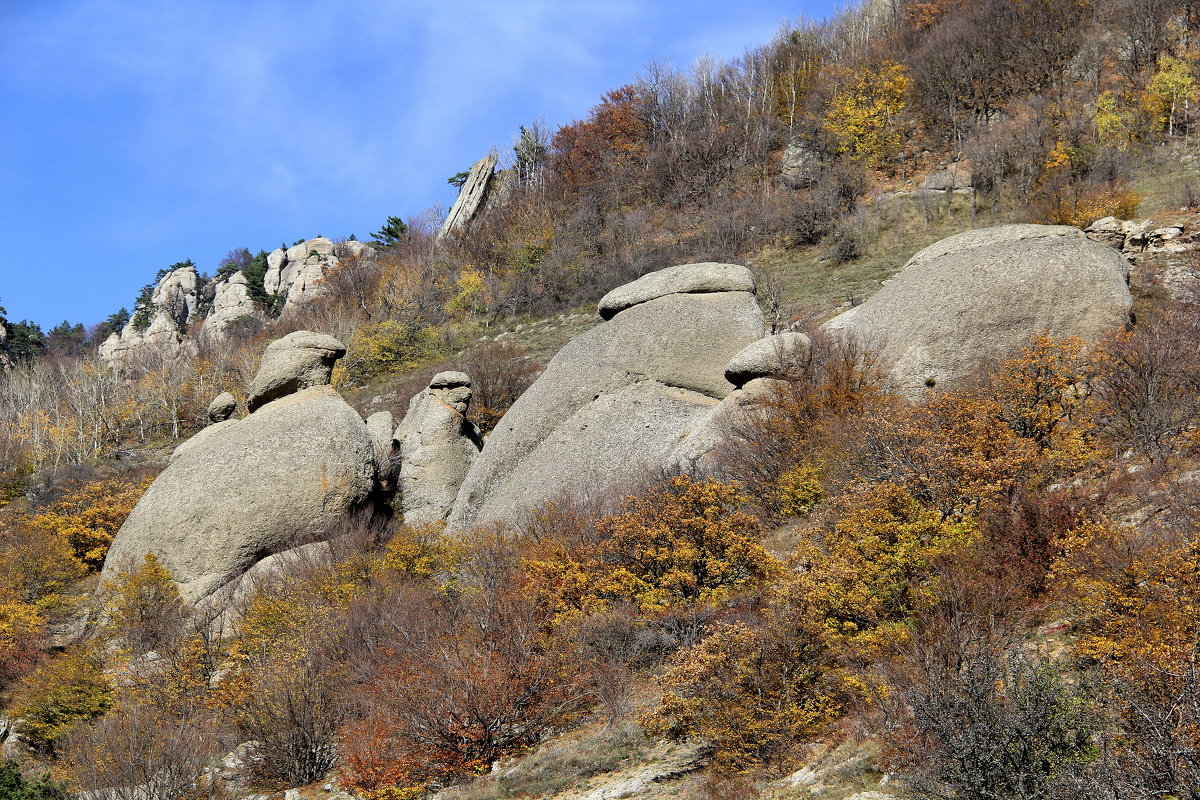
222	407
978	296
684	279
771	356
297	361
436	445
244	489
614	404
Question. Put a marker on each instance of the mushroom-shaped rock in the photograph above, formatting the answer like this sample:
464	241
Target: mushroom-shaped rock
222	407
614	403
684	279
437	445
241	490
978	296
298	361
771	356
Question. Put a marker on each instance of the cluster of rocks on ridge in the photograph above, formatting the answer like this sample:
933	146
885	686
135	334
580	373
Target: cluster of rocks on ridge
290	474
650	389
181	298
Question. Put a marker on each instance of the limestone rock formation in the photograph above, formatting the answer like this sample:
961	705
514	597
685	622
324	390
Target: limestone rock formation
222	407
768	357
172	307
471	196
618	399
231	302
241	490
297	361
298	272
978	296
436	445
5	358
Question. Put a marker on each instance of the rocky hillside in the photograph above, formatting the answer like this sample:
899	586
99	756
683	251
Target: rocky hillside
818	425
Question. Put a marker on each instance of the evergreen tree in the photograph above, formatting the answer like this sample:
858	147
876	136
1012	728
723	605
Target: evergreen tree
392	233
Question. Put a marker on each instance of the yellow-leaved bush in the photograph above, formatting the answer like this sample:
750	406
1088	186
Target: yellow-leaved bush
757	692
89	515
683	542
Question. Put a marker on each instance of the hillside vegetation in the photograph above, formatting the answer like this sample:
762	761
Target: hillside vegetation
989	594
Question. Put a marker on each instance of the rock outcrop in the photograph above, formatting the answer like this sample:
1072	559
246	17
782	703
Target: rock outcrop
977	296
173	305
232	304
955	176
298	272
241	490
436	445
619	399
471	197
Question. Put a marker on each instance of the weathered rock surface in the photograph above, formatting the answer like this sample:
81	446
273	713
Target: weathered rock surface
380	427
471	196
616	401
770	356
231	303
436	445
222	407
684	279
800	163
281	477
173	306
297	361
979	295
298	273
953	177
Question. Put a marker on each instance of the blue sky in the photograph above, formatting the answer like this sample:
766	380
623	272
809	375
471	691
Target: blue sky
138	134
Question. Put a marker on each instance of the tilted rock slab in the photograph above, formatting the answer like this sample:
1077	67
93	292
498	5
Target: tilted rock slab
617	401
471	196
244	489
436	445
978	296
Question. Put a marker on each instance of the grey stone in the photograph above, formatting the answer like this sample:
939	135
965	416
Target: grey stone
954	177
616	401
471	196
173	306
770	356
978	296
436	445
799	163
297	361
281	477
684	279
380	426
231	302
222	407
